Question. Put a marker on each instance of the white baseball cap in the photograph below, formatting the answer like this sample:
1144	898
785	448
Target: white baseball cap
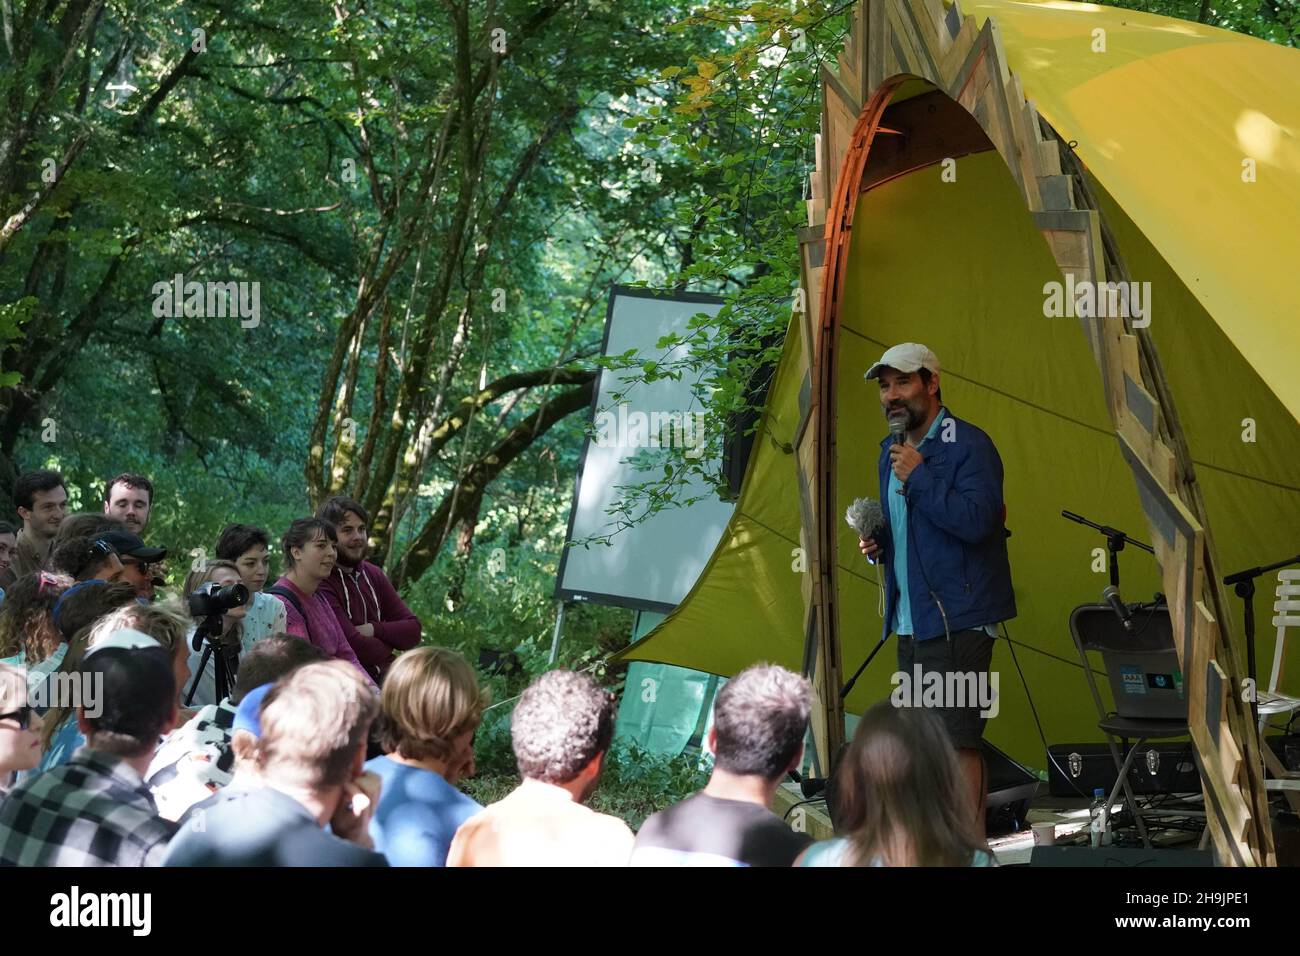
908	357
127	638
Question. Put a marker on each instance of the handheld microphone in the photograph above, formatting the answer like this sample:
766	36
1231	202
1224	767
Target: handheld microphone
898	430
867	518
1111	596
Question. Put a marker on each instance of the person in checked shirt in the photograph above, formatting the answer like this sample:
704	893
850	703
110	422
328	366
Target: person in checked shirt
96	810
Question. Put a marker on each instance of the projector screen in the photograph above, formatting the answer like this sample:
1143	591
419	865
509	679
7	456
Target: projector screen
652	564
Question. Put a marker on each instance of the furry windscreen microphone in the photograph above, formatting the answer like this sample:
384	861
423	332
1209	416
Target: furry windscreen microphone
866	517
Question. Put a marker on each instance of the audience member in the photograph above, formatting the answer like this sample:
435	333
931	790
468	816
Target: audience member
310	754
374	618
86	524
760	719
430	706
164	622
8	541
20	727
309	556
85	559
246	546
28	634
229	641
197	759
560	730
85	602
247	730
42	500
902	799
129	498
78	606
139	562
95	810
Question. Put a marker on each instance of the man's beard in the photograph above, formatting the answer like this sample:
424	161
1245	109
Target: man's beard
911	417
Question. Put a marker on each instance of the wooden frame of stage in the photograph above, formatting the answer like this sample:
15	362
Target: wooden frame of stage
890	43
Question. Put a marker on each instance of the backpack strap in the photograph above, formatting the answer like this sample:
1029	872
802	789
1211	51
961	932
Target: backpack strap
292	599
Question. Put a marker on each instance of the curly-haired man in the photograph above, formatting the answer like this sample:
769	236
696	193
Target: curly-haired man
560	730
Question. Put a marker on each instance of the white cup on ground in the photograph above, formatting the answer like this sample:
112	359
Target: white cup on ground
1044	834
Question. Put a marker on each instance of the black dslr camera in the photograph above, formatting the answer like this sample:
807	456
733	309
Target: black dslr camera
211	600
208	603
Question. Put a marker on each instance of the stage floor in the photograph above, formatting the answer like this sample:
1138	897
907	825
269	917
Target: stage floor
1070	814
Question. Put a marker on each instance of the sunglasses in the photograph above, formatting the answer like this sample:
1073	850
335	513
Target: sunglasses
100	549
23	716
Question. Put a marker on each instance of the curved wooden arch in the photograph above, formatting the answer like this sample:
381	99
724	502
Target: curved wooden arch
892	41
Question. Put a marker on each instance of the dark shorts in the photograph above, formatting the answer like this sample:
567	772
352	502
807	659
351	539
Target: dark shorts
967	653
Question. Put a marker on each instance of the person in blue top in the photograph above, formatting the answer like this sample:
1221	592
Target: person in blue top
430	706
944	551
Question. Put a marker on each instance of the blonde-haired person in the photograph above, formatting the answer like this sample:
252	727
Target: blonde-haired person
902	798
430	706
223	574
165	622
20	728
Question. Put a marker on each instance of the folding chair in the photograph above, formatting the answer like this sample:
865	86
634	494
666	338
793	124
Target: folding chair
1272	701
1142	668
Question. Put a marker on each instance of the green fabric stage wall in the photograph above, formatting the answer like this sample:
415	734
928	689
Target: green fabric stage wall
961	267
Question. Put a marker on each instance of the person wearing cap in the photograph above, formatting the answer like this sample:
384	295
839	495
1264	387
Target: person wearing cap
95	810
943	547
163	622
86	559
137	560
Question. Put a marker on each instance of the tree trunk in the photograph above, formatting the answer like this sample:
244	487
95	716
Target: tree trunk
453	507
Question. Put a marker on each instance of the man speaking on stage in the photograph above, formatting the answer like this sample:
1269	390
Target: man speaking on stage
943	546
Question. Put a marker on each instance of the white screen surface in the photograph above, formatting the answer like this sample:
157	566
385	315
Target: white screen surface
654	563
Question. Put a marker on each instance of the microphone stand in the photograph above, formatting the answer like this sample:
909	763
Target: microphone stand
844	691
1243	583
1115	542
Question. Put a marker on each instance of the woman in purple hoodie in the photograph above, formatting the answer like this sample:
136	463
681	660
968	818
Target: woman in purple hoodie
309	557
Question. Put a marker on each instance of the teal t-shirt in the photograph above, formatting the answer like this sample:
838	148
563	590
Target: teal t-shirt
898	532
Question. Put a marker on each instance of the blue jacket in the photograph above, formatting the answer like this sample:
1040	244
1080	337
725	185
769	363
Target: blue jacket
957	544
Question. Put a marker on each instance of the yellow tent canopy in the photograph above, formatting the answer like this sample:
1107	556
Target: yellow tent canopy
1189	137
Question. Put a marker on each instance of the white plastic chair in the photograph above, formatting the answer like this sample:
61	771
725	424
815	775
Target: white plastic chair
1271	702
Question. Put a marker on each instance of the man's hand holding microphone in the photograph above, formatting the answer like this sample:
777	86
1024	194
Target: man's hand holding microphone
867	518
